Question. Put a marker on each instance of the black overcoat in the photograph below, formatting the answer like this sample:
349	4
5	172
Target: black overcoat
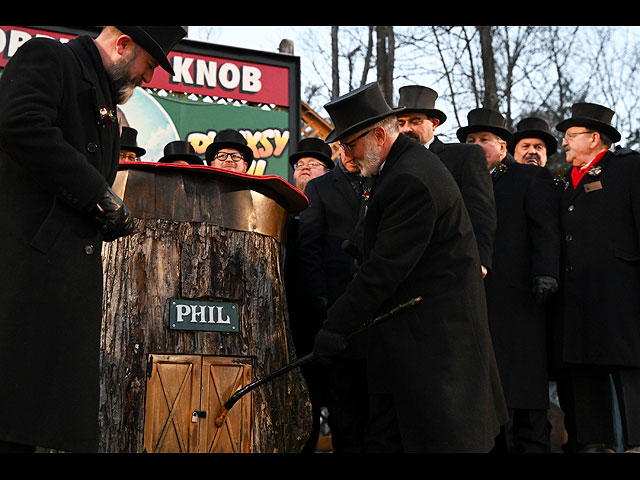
329	220
601	264
57	157
468	165
435	358
527	244
325	224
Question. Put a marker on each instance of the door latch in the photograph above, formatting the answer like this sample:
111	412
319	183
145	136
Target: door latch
198	414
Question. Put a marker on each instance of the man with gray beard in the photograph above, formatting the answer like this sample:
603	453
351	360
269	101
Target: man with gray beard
59	150
431	373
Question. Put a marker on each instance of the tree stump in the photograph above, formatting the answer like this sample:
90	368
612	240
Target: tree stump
200	236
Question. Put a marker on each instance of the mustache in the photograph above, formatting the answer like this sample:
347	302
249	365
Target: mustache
412	135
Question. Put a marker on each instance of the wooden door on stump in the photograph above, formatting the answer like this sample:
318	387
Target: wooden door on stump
184	395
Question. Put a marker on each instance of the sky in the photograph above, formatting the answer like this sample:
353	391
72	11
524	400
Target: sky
264	38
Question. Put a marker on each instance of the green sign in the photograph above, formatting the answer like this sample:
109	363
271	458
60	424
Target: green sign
204	316
160	120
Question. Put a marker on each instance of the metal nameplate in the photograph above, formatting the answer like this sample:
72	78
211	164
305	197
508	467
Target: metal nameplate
204	316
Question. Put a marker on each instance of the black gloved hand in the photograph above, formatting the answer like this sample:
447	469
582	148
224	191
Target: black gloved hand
543	286
113	217
327	345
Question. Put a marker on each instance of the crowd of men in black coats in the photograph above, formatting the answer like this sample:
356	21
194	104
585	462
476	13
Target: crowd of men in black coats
525	277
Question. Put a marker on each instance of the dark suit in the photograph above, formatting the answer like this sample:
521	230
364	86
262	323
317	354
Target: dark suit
599	333
527	244
434	361
329	220
56	160
468	165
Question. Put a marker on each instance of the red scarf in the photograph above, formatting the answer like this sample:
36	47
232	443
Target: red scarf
577	173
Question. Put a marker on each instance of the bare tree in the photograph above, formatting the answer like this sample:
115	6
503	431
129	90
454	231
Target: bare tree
335	71
385	60
519	70
488	68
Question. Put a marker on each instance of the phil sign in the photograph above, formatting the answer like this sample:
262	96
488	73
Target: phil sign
204	316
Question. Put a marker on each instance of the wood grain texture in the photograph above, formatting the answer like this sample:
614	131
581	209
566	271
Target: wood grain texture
167	259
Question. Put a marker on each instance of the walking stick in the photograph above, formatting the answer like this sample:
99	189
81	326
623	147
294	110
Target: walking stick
233	399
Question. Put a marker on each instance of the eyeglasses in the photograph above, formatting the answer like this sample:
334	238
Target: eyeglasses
312	164
131	157
222	156
347	146
569	136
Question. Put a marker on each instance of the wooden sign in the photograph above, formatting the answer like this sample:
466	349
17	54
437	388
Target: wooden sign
206	316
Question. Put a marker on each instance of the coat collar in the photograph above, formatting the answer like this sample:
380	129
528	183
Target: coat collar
502	167
91	65
591	176
398	147
436	146
94	73
343	184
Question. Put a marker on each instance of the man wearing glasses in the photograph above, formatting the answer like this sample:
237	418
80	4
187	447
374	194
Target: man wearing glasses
431	373
598	339
129	149
312	160
229	151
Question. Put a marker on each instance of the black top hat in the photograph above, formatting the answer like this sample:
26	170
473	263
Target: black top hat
536	127
485	120
229	138
157	40
591	115
129	141
315	148
180	150
419	99
357	110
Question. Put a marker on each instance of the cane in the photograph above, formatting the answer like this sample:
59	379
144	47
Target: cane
233	399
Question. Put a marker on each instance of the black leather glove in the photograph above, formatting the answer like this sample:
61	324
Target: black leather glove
113	217
543	286
327	345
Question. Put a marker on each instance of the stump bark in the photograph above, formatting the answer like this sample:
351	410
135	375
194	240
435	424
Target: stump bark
188	258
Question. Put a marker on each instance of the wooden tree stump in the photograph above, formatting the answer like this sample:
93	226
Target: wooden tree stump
184	249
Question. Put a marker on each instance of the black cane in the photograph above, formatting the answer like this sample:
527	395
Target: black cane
233	399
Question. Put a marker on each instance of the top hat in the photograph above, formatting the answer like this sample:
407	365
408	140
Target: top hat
180	150
536	127
485	120
157	40
229	138
357	110
419	99
591	115
315	148
129	141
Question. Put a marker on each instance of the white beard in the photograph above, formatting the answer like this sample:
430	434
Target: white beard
370	162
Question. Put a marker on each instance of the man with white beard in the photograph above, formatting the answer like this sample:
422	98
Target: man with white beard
432	377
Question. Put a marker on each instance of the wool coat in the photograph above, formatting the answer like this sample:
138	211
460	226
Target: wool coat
468	166
527	244
600	221
329	220
436	358
58	154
